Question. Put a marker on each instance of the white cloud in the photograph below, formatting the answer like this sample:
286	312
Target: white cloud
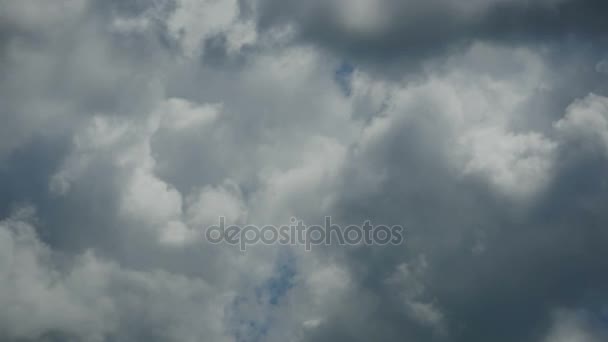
94	298
572	326
193	21
586	124
515	163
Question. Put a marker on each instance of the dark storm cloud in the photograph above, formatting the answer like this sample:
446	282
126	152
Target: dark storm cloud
531	264
377	32
494	272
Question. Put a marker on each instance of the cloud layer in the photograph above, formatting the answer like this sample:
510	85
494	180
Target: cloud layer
127	126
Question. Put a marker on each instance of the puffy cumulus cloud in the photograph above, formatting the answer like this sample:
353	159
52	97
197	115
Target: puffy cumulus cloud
131	126
585	123
96	300
485	192
61	64
515	163
475	115
123	145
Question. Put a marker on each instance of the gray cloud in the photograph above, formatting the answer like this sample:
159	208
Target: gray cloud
128	126
406	32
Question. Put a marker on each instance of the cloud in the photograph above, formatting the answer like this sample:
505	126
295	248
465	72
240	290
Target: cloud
94	299
388	31
130	126
585	123
574	326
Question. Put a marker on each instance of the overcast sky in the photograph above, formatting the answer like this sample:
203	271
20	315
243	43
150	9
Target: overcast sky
129	125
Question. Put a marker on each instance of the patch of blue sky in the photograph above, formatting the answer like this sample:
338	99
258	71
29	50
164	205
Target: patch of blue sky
343	76
252	313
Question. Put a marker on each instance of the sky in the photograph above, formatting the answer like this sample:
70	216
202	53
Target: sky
481	126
